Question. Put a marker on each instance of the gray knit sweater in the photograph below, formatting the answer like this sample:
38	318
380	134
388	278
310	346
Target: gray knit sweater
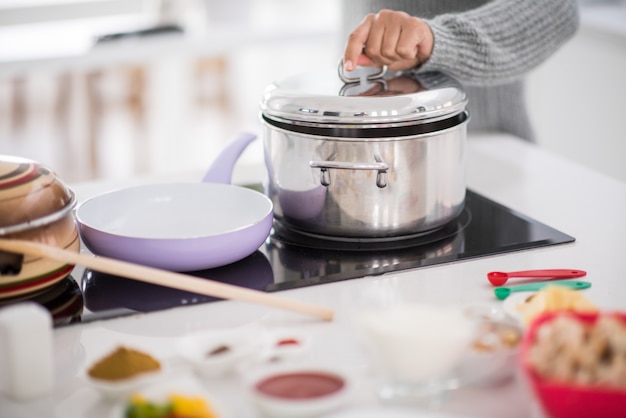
489	46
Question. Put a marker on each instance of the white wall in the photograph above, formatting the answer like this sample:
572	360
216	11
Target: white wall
577	100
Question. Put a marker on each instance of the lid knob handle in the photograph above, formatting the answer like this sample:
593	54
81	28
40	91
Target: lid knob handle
348	79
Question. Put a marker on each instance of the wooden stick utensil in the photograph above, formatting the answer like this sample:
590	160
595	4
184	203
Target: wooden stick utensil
164	278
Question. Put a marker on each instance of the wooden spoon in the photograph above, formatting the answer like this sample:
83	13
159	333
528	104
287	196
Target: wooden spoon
164	278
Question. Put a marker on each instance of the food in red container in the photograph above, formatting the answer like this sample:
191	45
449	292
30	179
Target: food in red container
554	299
576	363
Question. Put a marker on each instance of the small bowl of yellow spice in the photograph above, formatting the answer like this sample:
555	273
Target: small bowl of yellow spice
123	371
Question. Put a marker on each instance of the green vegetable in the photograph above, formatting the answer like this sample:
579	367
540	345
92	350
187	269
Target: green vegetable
149	410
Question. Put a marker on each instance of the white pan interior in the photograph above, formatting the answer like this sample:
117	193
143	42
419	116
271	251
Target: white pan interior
173	211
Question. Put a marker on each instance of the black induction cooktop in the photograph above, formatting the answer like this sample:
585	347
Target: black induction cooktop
289	259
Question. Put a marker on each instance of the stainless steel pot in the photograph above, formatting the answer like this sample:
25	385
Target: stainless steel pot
378	159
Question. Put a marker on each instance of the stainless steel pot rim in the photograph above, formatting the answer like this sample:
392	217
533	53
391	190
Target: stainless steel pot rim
313	112
42	221
362	133
317	98
362	123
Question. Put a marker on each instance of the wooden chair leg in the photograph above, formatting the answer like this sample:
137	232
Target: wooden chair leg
135	101
213	69
18	104
61	116
94	114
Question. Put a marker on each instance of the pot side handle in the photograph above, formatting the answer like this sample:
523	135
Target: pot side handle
324	166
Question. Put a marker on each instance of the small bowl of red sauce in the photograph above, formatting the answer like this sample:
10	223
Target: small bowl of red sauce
218	353
300	392
286	345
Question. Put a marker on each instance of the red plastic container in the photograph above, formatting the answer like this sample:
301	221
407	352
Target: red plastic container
568	400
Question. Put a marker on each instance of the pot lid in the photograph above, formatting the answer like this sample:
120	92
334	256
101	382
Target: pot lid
382	98
31	195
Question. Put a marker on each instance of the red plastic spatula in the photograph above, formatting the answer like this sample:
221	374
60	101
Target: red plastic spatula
498	278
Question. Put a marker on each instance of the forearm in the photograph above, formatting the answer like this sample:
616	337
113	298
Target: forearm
501	40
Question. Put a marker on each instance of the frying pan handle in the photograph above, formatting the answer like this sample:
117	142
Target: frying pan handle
221	170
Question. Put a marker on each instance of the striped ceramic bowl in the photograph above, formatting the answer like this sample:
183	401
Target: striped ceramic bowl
35	205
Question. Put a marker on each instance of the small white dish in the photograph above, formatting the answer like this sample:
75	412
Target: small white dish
299	391
114	389
218	353
512	303
389	412
493	356
285	345
182	385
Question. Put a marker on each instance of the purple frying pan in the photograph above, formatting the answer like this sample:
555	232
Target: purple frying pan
180	226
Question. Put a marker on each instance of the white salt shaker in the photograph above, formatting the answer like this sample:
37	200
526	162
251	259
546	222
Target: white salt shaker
26	351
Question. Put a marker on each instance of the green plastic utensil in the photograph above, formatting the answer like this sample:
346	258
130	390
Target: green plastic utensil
504	292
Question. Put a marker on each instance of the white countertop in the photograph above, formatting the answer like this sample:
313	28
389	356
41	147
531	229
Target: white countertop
548	188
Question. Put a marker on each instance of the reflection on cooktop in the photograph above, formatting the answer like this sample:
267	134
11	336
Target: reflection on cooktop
483	228
285	261
104	292
63	300
288	236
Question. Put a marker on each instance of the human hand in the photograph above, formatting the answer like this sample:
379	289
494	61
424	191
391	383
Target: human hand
390	38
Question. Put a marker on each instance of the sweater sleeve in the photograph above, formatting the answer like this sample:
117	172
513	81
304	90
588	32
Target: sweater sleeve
501	40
